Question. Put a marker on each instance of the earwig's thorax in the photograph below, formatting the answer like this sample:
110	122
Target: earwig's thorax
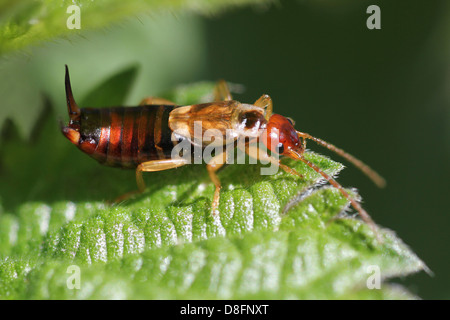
231	119
193	122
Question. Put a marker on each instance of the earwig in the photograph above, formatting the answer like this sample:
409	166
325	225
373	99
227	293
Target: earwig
142	137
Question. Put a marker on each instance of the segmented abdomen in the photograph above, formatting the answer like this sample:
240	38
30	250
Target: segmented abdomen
126	136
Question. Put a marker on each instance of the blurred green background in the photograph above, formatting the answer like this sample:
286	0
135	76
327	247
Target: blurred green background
383	95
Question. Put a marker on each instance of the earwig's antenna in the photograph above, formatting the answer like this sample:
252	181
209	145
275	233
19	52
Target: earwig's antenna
375	177
74	110
363	213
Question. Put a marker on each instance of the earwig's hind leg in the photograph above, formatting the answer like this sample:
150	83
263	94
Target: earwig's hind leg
150	166
124	197
265	102
156	100
222	92
215	164
156	165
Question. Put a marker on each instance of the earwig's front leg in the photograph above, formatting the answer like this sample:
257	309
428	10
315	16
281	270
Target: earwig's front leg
222	92
215	164
265	102
256	153
156	100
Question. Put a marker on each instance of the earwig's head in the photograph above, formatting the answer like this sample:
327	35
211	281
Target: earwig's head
281	137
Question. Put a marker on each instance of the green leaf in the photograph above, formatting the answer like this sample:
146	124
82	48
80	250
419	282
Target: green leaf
28	22
165	244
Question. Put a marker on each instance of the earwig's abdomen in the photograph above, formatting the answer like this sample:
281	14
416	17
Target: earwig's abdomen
126	136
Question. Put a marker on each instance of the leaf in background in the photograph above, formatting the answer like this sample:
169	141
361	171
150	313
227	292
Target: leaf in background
21	102
166	244
165	50
111	92
27	22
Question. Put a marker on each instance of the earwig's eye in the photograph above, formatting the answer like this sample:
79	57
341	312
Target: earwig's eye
291	121
279	148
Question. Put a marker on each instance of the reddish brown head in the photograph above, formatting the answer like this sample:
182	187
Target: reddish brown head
281	137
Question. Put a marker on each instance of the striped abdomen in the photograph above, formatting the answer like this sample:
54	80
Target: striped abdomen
125	136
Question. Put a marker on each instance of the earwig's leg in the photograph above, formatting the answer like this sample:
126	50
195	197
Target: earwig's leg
222	92
265	102
156	165
255	152
215	164
304	144
156	100
124	197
